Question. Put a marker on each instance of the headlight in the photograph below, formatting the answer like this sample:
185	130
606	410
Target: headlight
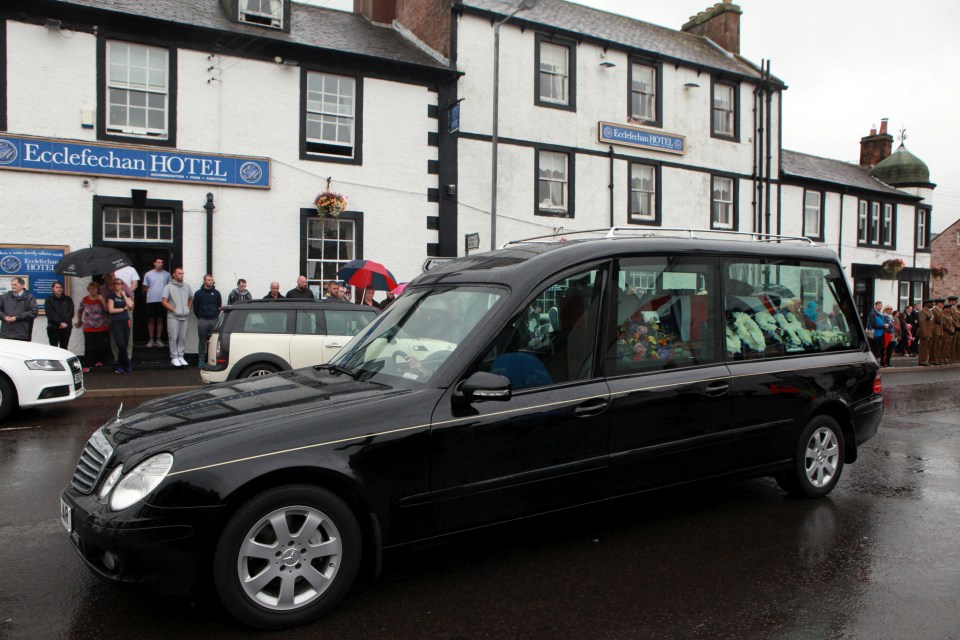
137	485
109	483
44	365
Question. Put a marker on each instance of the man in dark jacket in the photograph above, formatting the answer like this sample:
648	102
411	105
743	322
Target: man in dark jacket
18	308
301	290
206	306
59	309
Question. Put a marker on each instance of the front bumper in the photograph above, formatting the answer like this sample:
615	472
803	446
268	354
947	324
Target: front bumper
37	388
163	549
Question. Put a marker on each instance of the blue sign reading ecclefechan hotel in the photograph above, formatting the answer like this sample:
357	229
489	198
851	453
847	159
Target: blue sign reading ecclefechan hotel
635	137
27	153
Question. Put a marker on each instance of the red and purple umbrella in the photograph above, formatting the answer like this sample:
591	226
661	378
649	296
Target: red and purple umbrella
367	273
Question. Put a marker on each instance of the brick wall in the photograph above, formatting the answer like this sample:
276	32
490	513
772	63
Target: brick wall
428	20
945	251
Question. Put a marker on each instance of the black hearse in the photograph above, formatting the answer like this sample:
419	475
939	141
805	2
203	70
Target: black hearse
541	376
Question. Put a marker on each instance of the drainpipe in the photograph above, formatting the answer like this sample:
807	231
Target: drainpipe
209	208
769	144
843	194
756	151
612	224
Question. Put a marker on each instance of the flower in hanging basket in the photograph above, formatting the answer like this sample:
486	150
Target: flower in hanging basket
329	203
893	266
937	273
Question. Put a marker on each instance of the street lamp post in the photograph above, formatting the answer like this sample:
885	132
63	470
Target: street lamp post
524	5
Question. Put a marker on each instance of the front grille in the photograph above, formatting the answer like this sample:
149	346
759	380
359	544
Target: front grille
92	462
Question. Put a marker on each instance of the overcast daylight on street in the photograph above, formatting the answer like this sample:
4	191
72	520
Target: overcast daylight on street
479	319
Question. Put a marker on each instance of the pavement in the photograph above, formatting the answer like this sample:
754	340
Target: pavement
155	380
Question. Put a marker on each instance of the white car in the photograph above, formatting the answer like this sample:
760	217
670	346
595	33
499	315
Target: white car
33	374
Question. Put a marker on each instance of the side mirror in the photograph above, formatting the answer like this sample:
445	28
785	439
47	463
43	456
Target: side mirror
483	385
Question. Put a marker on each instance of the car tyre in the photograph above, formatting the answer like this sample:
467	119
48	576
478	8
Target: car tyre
8	398
287	557
259	369
818	460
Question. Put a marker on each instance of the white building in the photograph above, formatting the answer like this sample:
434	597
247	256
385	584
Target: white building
122	119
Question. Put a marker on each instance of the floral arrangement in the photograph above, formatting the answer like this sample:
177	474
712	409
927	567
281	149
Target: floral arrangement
641	340
329	203
748	331
795	332
938	273
893	266
827	338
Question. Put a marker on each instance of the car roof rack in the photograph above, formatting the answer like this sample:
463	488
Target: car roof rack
673	232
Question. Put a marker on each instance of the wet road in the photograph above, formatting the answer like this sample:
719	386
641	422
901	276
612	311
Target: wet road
879	558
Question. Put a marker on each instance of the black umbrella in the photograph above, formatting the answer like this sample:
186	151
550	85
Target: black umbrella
93	261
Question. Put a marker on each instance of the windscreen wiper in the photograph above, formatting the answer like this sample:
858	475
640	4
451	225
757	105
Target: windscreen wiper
335	368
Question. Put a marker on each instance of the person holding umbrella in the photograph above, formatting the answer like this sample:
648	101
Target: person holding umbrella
19	308
367	273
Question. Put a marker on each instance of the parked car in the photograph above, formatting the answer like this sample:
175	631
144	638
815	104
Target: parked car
265	336
34	374
659	361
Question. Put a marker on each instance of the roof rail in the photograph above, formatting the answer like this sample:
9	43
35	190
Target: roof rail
635	232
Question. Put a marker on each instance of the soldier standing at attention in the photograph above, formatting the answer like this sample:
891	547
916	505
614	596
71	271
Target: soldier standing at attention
954	355
936	355
925	333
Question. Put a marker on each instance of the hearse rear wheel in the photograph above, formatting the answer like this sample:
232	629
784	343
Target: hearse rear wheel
287	557
818	460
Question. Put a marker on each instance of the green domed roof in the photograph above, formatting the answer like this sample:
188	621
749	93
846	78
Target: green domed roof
902	167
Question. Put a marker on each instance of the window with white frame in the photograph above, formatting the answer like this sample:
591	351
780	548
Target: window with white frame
722	203
330	115
268	13
643	92
812	213
331	243
904	297
886	235
643	193
552	182
724	110
874	222
554	73
862	222
137	225
137	86
922	231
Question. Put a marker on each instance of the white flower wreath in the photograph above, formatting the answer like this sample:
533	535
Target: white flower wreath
748	331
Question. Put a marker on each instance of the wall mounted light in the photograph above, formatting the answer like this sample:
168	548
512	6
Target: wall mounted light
606	64
691	85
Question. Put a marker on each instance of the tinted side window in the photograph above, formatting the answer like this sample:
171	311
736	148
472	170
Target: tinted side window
309	322
272	321
665	315
346	322
553	339
775	308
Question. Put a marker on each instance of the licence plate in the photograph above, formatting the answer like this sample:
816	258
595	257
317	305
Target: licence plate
78	379
66	515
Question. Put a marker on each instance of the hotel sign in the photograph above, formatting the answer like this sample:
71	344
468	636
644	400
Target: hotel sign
103	160
644	138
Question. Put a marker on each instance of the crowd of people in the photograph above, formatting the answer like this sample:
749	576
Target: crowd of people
930	332
106	317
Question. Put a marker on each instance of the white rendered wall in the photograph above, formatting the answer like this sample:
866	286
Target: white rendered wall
251	108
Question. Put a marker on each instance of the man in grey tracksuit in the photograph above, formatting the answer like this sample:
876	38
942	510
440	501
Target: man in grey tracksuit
177	300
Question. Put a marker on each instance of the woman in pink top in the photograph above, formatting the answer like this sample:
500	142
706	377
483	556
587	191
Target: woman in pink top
92	316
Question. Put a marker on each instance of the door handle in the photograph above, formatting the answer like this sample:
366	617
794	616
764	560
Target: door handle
591	408
717	389
333	346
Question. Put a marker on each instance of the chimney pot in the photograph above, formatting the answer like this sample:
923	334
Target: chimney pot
720	23
883	125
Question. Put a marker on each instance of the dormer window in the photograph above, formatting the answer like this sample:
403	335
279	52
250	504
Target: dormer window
268	13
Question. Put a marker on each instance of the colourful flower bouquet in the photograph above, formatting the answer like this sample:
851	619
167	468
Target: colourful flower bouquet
938	273
639	339
893	266
329	203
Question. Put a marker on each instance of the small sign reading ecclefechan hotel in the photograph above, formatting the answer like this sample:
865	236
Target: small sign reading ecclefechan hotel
52	155
644	138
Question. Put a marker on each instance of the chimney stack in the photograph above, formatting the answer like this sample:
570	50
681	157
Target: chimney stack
377	11
720	23
875	147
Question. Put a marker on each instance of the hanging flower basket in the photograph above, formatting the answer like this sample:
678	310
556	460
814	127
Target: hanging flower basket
893	266
330	204
937	273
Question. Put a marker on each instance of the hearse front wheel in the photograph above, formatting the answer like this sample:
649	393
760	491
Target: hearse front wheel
287	557
818	460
